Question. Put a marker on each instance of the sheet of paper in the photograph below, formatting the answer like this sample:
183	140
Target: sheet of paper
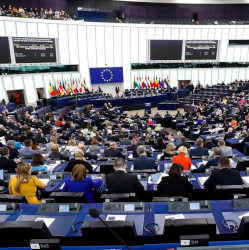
45	181
116	217
193	167
62	186
175	216
202	180
159	156
47	221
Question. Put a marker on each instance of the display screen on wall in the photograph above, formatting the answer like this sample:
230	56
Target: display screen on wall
34	50
201	50
238	42
4	50
165	50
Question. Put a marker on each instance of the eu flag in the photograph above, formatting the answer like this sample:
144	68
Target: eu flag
106	75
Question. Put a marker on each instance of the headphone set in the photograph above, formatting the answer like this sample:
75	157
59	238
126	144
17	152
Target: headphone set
231	225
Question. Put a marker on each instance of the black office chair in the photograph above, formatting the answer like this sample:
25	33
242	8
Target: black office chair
118	197
66	197
12	198
106	168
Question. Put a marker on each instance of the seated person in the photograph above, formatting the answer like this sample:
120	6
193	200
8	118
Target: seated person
27	151
37	163
175	184
6	163
94	147
170	151
212	162
56	155
209	143
113	151
133	147
182	158
122	182
230	134
71	147
143	162
24	184
159	145
80	183
225	175
199	150
53	140
225	150
13	152
78	159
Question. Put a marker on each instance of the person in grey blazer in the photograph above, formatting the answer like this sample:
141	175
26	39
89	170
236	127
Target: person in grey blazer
226	151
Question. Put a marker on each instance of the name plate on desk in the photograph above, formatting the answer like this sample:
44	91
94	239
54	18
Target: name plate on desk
8	207
59	208
241	204
129	207
194	206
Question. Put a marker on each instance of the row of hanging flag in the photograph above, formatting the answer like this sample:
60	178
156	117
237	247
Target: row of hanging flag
147	83
67	87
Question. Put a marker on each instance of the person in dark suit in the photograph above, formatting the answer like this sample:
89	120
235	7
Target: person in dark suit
5	162
122	182
143	161
230	134
212	162
56	155
223	176
78	159
175	184
199	150
113	151
209	143
133	147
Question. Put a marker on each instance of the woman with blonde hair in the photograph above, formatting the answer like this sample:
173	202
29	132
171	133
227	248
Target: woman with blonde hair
71	147
80	183
170	151
24	184
182	158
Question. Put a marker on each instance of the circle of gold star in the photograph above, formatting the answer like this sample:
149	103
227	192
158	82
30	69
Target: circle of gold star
102	75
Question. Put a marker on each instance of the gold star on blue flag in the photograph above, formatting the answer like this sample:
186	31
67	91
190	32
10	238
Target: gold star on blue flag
106	75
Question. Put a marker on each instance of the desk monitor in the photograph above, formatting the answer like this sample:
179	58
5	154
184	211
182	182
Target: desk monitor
17	232
125	229
173	229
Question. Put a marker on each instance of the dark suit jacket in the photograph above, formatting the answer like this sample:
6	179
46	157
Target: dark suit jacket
73	162
225	176
7	164
113	153
121	182
144	162
209	145
212	162
58	156
174	186
198	151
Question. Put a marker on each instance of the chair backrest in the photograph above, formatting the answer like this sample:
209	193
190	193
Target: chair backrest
119	197
12	198
67	197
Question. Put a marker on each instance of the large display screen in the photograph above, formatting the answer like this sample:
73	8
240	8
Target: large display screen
4	50
34	50
165	50
201	50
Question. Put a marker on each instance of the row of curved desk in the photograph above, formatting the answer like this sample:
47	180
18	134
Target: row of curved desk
99	102
155	212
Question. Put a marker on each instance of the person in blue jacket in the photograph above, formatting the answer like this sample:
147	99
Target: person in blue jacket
80	183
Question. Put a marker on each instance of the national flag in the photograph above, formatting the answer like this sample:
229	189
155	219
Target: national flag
156	83
143	85
75	86
51	89
58	93
62	92
167	82
134	83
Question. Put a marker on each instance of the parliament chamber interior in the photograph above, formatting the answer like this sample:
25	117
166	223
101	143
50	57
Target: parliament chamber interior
124	124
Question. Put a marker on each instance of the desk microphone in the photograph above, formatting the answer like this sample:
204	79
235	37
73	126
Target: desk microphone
94	213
